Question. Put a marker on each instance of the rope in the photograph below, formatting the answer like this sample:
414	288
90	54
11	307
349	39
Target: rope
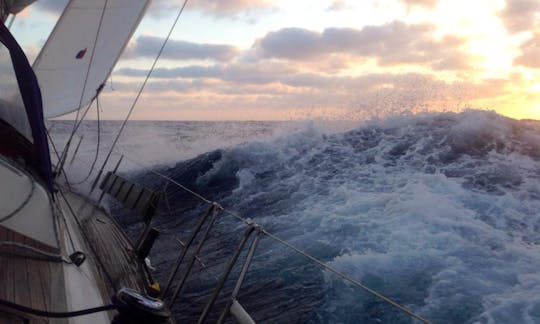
43	255
141	89
39	312
313	259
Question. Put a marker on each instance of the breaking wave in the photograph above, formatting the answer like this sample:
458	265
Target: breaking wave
438	211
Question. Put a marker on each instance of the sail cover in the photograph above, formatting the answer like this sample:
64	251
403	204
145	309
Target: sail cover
63	64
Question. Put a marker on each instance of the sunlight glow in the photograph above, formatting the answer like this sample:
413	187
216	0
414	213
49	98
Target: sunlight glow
485	73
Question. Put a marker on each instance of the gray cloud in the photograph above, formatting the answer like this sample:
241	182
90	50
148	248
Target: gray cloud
219	9
277	79
336	97
224	7
244	73
293	43
390	44
148	46
520	15
530	53
195	71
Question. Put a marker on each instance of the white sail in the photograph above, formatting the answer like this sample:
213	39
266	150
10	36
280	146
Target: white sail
63	64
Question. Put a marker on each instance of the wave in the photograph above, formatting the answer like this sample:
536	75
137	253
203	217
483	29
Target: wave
438	211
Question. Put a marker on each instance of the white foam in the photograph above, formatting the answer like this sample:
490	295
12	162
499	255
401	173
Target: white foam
439	210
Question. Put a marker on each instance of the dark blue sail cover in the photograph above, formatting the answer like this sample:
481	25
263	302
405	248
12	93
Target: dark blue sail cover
31	97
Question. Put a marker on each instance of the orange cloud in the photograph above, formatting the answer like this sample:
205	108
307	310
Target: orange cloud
530	53
520	15
391	44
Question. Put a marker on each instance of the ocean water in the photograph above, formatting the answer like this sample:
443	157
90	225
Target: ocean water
438	211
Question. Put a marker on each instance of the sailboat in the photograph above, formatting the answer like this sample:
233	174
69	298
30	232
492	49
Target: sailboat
62	259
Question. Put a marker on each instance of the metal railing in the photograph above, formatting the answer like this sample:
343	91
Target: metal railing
173	286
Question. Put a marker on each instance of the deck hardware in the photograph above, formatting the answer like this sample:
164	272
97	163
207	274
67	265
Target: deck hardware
186	248
239	313
194	256
132	306
226	273
77	258
147	242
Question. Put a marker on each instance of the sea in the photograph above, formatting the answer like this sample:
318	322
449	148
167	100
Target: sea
438	211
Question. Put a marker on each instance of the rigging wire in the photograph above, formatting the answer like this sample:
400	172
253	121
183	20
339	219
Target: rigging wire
61	170
96	155
140	91
63	216
313	259
166	178
85	236
345	277
91	61
229	212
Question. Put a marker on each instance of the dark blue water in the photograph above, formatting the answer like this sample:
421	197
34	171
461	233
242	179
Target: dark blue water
440	212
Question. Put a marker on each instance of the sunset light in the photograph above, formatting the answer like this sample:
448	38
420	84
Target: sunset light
324	161
261	59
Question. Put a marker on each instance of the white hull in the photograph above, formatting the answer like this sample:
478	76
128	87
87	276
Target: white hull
39	227
25	205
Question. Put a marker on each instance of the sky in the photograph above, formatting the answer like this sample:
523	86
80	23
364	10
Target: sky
327	59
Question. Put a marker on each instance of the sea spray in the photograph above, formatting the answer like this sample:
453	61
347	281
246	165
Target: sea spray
438	211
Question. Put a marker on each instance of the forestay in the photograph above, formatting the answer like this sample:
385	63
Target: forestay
62	67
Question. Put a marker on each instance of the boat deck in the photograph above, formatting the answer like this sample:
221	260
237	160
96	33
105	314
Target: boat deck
35	283
111	248
39	283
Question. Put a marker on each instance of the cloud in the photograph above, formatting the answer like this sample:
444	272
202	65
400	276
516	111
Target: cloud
148	46
225	7
219	9
195	71
420	3
280	79
294	44
301	95
244	73
530	53
337	5
520	15
391	44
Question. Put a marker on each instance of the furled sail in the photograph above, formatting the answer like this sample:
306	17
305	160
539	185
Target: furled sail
72	65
